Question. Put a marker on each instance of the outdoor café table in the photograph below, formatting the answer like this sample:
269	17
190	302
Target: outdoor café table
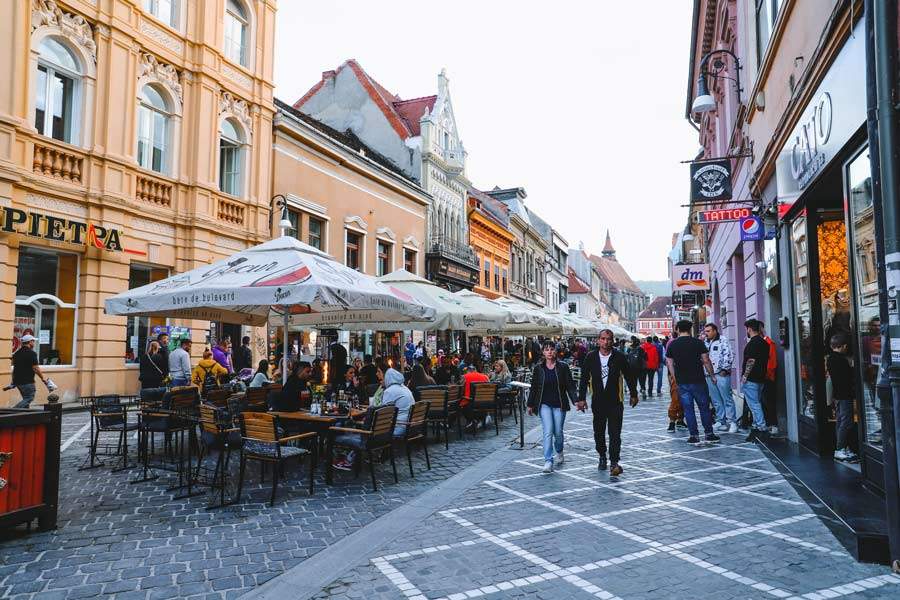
303	421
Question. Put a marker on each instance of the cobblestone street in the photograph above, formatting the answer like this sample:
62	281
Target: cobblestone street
714	521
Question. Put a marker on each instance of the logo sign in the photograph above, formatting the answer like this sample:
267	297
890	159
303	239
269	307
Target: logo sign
724	214
752	229
60	229
711	180
690	277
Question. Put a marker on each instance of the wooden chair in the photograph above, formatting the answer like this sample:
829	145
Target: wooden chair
485	402
217	435
257	399
415	433
379	435
259	434
441	414
218	397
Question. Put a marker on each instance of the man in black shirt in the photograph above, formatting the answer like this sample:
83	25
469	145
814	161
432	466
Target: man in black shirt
687	358
25	367
243	356
753	378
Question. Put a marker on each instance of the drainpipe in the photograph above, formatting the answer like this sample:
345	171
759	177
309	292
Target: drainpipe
881	49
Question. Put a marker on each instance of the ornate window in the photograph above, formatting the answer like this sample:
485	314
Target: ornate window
236	25
231	158
154	127
409	260
164	10
57	91
384	264
353	247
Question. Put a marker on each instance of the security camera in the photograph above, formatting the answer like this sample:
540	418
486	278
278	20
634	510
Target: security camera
761	264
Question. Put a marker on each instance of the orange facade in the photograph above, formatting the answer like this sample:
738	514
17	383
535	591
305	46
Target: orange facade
491	241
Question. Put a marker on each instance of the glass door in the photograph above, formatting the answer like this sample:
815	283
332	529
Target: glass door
803	319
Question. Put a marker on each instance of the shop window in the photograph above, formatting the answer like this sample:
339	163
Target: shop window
496	277
57	89
231	158
802	315
409	260
164	10
384	258
46	292
316	227
137	329
504	280
352	257
487	273
153	130
868	325
236	24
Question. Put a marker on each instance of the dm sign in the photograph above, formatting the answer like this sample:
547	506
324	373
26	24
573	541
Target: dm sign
687	278
711	180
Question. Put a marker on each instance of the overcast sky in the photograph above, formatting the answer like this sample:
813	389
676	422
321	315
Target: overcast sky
581	103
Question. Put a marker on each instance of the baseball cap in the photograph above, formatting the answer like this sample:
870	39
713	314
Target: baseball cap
27	338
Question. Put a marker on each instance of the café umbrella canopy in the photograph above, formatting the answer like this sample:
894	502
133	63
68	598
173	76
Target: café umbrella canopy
451	311
284	275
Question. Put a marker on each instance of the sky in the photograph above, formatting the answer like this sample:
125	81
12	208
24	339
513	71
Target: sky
579	102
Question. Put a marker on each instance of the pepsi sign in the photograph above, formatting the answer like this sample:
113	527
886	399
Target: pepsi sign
752	229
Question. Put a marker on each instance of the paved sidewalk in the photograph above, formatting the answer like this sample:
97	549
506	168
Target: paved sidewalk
712	521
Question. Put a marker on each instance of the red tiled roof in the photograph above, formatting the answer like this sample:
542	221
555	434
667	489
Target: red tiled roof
411	111
403	115
608	247
615	273
576	286
657	308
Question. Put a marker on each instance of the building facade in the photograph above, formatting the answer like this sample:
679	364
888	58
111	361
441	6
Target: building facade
135	144
623	294
421	138
557	275
656	319
529	247
491	238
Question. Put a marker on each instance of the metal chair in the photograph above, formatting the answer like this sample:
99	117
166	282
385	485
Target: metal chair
217	435
441	413
261	442
379	435
109	415
485	402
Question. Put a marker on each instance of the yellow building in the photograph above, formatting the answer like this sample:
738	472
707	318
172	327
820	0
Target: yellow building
490	236
134	143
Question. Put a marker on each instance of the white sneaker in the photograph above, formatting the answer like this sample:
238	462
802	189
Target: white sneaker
559	459
840	454
733	428
548	467
773	430
722	427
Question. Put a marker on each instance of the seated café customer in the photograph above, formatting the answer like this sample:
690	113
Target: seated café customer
261	377
375	400
396	394
208	373
473	375
442	373
501	373
350	384
419	377
289	398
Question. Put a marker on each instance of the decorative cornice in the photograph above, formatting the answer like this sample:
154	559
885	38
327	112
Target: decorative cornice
230	243
358	220
411	240
46	13
236	76
307	205
152	226
386	232
161	37
237	108
56	205
151	70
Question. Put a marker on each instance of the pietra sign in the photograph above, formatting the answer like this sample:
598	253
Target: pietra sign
711	180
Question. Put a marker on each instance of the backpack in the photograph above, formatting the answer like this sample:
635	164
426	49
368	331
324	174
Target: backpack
636	359
210	381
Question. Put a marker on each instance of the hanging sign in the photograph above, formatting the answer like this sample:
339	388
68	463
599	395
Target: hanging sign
61	229
721	215
752	229
690	277
711	180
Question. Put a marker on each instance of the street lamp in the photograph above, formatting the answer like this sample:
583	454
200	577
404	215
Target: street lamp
704	102
278	200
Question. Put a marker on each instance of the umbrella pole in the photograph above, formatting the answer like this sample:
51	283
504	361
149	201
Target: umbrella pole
284	357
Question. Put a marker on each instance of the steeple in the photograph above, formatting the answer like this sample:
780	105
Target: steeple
608	250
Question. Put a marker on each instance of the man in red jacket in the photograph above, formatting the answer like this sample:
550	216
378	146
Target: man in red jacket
650	365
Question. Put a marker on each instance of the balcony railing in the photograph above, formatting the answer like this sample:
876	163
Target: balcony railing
57	163
230	212
450	248
152	190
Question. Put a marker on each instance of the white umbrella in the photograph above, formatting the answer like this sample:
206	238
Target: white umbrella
538	321
284	272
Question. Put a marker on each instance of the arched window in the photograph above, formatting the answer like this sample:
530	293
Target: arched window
236	25
164	10
231	158
153	130
58	87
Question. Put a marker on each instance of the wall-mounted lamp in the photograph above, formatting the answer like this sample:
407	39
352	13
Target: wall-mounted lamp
704	102
278	200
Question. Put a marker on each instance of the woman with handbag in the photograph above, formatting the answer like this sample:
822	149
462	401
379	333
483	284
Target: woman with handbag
153	367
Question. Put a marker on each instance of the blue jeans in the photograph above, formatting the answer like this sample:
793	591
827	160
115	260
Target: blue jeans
753	395
698	393
180	381
552	421
659	376
722	399
27	390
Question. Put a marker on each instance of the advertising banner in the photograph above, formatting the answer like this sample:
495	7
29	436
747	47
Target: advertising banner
711	180
690	277
752	229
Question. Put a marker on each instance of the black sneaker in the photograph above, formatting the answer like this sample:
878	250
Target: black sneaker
712	438
671	428
681	424
693	440
751	437
615	470
601	464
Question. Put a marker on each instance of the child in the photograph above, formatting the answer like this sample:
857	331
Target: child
843	386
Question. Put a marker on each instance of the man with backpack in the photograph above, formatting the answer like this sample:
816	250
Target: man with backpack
651	364
637	362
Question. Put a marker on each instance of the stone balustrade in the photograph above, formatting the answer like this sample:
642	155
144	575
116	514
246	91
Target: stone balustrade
230	212
152	190
57	163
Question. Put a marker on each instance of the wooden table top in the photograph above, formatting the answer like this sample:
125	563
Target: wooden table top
305	415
